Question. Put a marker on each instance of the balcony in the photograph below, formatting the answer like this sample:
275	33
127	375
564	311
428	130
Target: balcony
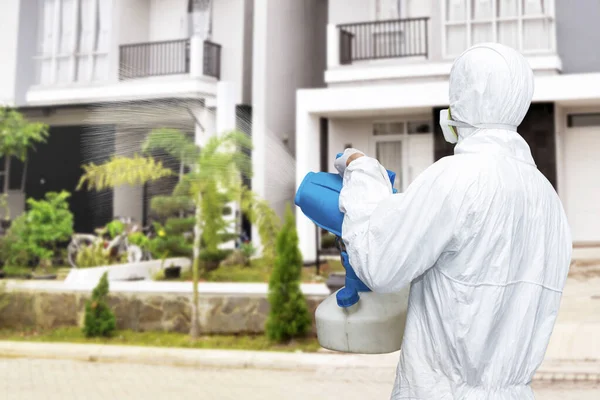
376	40
173	57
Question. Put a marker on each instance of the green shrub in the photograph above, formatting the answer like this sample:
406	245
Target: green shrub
115	228
95	255
99	320
211	259
248	250
139	239
35	235
289	316
170	240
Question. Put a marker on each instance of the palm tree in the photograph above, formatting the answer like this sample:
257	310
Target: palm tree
215	178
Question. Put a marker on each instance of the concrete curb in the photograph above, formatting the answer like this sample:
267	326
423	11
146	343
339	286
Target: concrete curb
550	371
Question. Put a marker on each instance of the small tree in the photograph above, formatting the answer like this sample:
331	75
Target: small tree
99	318
289	316
17	136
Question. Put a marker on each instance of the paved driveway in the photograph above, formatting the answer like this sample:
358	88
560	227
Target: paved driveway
25	379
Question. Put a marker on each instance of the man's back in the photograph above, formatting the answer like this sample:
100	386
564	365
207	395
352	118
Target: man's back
487	307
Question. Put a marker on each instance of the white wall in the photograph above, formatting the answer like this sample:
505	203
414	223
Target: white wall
342	132
289	54
230	30
134	21
168	20
346	11
9	30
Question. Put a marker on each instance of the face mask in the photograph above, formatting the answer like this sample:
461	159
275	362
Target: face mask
451	133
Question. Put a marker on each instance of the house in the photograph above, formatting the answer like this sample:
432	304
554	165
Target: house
104	73
388	63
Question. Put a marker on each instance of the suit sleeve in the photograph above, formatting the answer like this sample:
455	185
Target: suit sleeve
393	238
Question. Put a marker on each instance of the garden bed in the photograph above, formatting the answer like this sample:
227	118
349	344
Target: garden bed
163	339
12	272
258	271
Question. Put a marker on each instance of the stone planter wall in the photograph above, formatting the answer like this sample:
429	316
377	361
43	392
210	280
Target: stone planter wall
219	314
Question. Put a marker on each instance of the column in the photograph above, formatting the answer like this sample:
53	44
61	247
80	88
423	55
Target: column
128	201
308	157
226	122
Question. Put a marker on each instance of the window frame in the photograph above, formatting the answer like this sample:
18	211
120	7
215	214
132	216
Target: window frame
548	15
74	54
403	137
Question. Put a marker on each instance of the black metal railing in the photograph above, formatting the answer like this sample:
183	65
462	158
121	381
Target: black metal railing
383	39
154	59
212	59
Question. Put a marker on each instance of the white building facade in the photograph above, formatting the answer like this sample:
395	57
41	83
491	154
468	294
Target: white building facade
388	63
104	73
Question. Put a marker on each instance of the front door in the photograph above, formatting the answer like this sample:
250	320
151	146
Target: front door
582	187
404	147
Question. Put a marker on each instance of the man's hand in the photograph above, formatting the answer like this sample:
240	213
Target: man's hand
347	157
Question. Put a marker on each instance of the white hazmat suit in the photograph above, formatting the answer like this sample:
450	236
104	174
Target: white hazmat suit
481	236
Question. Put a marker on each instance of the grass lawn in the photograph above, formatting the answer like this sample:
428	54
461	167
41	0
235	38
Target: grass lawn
162	339
258	271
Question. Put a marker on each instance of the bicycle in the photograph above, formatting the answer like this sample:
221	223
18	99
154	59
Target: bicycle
114	247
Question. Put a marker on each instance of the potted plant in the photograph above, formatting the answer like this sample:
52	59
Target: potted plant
172	272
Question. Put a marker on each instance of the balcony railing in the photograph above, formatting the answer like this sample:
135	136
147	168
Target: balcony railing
142	60
212	59
383	39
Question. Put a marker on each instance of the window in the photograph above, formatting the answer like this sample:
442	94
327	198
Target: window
73	41
583	120
526	25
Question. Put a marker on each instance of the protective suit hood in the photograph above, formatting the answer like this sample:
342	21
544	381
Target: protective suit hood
491	84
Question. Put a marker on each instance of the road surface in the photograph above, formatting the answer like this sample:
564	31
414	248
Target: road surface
36	379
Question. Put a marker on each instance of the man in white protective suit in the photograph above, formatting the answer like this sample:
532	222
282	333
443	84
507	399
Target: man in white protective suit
481	237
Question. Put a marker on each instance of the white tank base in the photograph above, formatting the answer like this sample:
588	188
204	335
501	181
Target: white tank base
375	325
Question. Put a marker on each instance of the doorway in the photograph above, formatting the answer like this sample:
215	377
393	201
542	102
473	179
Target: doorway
404	147
582	187
56	165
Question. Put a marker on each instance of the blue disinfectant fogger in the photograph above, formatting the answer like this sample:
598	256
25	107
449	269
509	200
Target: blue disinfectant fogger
354	319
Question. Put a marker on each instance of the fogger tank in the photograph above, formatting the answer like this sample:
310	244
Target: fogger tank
354	319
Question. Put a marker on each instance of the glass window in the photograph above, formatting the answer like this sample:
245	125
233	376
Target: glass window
456	10
80	29
482	9
420	127
508	8
526	25
481	33
583	120
388	128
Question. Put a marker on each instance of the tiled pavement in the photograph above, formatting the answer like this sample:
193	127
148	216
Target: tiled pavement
31	379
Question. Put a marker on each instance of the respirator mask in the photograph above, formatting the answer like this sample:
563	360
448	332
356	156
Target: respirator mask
450	131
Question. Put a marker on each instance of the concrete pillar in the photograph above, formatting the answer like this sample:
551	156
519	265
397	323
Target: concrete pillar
128	201
196	56
226	107
333	46
226	122
308	157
